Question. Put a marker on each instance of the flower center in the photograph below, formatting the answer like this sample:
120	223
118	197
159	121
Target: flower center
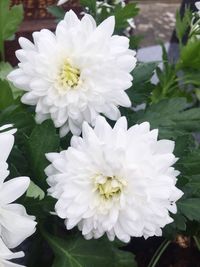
109	186
69	76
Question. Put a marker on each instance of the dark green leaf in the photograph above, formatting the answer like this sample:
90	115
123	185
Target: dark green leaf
190	55
91	4
194	184
142	88
122	14
183	23
43	139
189	164
10	19
190	208
171	116
39	208
56	11
19	117
6	97
75	251
5	68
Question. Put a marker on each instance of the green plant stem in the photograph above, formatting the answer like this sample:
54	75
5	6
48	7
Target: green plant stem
197	241
159	253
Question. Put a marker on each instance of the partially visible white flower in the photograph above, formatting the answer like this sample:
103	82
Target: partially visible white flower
109	6
61	2
195	24
15	224
122	2
131	26
6	255
115	181
6	144
197	4
75	74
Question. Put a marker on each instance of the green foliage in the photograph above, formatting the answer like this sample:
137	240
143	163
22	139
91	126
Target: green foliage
75	251
183	24
10	19
39	207
172	106
56	11
42	140
190	208
190	55
6	97
5	69
122	14
142	87
171	116
90	4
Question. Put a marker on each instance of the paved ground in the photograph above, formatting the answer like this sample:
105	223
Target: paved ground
156	20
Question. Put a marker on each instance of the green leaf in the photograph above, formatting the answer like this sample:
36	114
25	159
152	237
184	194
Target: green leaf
142	88
143	72
5	68
20	117
122	14
189	164
35	191
10	19
75	251
56	11
134	41
123	259
171	116
43	139
194	184
39	208
6	97
190	56
167	86
190	208
90	4
183	23
179	222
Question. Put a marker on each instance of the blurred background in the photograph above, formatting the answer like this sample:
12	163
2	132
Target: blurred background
155	22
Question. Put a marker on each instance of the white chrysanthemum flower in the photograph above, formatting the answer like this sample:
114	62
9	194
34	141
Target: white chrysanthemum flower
115	181
6	255
15	224
76	73
61	2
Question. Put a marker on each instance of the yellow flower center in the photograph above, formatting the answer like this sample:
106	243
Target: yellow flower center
109	186
69	76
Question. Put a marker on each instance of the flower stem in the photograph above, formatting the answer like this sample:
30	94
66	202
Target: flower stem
159	253
197	241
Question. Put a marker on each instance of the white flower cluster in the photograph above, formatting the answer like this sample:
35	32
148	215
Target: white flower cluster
15	224
75	74
116	181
